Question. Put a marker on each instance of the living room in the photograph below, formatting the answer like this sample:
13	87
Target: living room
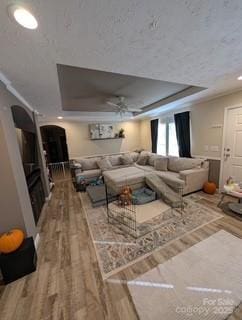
120	143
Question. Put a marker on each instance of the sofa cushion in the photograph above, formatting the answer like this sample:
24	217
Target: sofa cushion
145	168
161	163
145	153
120	166
176	164
167	174
115	160
134	155
89	174
143	159
124	176
104	164
151	158
89	163
126	159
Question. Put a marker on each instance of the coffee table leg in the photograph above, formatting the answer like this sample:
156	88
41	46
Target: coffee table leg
221	201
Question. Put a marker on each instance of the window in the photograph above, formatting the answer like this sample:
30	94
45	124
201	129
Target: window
167	141
172	141
161	143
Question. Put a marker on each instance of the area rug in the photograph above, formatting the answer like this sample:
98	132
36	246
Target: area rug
116	249
202	282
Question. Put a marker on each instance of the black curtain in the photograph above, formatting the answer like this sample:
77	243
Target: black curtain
182	122
154	134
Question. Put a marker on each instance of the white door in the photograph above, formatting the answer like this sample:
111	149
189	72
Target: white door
232	153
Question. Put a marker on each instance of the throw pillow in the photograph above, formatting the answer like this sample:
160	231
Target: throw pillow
145	153
89	163
104	164
134	155
115	160
126	159
142	160
152	157
161	164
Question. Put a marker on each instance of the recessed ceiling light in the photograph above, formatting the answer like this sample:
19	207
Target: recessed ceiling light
23	17
59	118
239	78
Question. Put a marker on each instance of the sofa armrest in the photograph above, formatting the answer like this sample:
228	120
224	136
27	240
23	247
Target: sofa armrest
194	178
78	171
77	166
198	172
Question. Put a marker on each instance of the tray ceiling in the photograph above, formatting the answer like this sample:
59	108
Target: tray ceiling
89	90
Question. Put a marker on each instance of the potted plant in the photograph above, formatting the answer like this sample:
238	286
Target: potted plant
121	133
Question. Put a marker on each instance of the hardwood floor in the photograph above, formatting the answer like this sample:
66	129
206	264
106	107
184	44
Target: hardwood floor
68	285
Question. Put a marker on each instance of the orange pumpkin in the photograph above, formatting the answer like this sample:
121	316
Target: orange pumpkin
11	241
209	187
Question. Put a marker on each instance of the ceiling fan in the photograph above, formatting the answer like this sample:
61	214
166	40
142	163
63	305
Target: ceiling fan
121	106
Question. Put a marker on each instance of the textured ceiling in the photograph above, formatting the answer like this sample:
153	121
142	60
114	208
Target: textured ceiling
183	41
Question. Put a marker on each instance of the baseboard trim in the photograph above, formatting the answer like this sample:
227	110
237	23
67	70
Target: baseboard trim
36	241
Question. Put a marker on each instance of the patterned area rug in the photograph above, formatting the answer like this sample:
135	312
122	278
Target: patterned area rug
116	249
202	282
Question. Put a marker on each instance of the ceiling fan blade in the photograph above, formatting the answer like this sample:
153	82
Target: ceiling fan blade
112	104
134	109
129	108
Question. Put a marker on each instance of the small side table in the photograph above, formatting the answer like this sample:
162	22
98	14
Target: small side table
20	262
233	194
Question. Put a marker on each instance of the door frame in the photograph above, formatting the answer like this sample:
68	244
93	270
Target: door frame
226	111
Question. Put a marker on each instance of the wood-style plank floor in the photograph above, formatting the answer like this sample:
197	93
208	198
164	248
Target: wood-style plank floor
68	285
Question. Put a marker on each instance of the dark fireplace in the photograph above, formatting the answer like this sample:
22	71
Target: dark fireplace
36	192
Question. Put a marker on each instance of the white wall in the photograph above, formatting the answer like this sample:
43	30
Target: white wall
15	206
145	135
79	143
204	117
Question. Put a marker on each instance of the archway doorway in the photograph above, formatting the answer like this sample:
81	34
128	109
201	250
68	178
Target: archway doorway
54	143
29	152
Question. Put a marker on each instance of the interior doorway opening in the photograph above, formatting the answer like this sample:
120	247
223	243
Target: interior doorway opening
56	152
54	143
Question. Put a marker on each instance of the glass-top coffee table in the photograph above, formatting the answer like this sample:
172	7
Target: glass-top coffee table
232	192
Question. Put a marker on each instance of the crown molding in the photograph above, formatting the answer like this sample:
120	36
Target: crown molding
10	88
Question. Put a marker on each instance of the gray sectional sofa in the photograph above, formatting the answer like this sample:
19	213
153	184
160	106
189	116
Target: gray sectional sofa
131	168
